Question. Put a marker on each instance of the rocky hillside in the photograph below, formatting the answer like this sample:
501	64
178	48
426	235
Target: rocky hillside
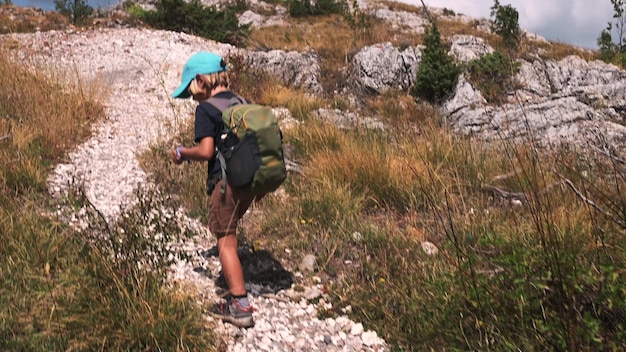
569	100
565	100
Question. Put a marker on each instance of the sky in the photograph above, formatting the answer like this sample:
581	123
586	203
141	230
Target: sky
577	22
49	4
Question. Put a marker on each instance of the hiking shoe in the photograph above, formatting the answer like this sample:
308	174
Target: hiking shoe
232	312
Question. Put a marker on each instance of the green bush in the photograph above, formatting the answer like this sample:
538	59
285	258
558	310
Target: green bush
493	75
76	10
437	74
134	9
612	50
197	19
327	7
357	18
448	12
300	8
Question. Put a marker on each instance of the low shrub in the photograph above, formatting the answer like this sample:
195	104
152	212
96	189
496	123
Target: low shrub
493	74
195	18
78	11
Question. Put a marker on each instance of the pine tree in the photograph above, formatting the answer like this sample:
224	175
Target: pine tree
437	74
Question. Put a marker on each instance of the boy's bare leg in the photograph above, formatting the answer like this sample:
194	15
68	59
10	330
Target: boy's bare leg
231	266
237	310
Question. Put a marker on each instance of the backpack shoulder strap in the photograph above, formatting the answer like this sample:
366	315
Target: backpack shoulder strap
222	104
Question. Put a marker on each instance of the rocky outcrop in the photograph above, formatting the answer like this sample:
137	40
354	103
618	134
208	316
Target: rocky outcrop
380	67
256	20
301	70
567	101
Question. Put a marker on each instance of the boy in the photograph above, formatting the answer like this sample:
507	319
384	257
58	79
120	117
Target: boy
205	76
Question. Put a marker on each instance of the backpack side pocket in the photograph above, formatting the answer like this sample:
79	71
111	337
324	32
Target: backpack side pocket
242	161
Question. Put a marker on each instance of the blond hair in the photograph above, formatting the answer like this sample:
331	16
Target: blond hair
211	81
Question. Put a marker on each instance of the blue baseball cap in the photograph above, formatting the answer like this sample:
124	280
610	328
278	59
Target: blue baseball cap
203	63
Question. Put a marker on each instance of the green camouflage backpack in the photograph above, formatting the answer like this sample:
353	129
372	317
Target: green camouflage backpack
251	149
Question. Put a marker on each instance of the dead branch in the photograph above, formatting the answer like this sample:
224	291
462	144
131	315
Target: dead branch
491	272
292	166
510	196
514	196
427	12
5	137
506	176
332	253
580	195
609	155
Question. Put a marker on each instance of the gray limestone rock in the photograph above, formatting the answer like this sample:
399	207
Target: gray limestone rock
301	70
379	67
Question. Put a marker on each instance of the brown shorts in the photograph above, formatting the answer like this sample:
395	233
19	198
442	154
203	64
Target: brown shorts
225	211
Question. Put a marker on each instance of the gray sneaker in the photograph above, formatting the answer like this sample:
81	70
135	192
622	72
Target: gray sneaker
232	312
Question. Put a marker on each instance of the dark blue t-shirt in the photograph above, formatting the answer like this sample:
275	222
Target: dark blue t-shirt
209	124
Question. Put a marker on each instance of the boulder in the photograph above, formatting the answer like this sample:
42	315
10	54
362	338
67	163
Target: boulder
466	48
379	67
301	70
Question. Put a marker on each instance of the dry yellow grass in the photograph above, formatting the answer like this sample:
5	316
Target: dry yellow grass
299	104
400	111
558	50
330	35
401	6
16	19
73	109
449	27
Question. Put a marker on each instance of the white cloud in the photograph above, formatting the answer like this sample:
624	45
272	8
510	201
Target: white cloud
534	13
577	22
600	13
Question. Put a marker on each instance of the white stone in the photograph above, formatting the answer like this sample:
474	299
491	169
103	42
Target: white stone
370	338
356	329
429	248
